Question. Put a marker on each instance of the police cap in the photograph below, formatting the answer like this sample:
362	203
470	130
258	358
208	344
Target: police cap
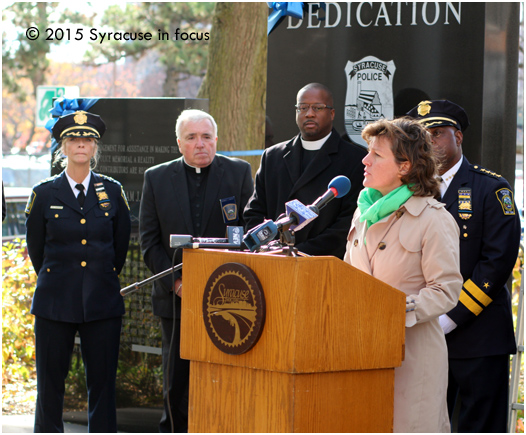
437	113
79	124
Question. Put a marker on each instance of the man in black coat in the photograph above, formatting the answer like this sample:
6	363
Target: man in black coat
186	196
479	330
302	168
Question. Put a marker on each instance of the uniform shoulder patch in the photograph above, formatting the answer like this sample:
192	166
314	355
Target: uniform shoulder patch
105	177
479	169
505	197
30	202
124	197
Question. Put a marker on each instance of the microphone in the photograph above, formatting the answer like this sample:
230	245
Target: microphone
298	215
261	235
234	240
338	187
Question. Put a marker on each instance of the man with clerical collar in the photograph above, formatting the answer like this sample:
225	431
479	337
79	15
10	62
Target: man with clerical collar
479	330
200	194
302	168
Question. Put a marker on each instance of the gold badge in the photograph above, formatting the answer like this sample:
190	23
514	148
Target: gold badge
424	107
80	118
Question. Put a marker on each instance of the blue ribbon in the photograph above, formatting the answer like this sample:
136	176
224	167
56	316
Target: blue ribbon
65	106
281	10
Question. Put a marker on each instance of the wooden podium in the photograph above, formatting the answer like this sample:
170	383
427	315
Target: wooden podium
324	361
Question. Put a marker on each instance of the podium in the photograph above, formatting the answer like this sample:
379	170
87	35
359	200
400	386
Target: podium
324	361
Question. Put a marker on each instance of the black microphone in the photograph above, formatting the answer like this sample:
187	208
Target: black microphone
234	240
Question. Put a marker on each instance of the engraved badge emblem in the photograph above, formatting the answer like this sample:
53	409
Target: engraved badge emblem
369	94
234	308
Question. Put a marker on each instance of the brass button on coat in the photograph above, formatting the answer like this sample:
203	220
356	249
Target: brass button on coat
465	234
83	264
381	246
83	221
56	215
84	241
355	242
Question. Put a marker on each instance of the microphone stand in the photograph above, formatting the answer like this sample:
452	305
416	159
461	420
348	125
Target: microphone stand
136	286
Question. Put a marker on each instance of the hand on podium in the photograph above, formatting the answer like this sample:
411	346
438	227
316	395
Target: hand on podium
178	287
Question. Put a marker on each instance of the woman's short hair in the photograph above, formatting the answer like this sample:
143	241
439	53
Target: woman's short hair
60	160
410	142
193	115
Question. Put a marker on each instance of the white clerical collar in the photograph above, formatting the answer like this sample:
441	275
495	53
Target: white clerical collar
197	170
73	183
447	177
314	145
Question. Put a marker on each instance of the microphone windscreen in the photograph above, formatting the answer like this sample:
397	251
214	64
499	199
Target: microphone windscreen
342	185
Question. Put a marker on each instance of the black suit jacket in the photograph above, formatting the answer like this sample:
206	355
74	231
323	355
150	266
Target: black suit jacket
279	180
489	243
77	253
165	210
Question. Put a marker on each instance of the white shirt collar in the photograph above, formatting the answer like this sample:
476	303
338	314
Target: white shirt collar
73	183
447	177
314	145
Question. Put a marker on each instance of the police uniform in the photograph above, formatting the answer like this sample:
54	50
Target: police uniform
77	253
482	204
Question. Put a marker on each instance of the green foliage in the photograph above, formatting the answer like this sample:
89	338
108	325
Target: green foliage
139	375
181	58
22	58
18	284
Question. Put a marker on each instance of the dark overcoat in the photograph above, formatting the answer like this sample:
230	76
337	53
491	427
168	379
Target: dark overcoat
279	180
165	210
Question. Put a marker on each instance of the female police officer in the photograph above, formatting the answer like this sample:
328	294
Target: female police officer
78	229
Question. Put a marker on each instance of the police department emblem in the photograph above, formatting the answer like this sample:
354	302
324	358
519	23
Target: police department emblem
80	118
505	197
369	94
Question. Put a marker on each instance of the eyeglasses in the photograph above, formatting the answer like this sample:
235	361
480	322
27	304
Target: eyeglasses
304	107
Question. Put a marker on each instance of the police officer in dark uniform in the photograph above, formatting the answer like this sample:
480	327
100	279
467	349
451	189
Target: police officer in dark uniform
479	330
78	229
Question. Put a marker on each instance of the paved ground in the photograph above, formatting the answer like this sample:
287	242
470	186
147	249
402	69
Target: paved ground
24	424
128	420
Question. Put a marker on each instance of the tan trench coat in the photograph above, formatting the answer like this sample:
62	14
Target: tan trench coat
419	255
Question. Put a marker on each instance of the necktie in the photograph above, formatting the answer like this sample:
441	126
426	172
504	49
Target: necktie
81	197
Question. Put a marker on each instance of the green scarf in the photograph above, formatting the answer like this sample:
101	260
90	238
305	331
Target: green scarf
374	207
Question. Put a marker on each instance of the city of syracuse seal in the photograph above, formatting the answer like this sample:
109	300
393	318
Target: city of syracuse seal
233	308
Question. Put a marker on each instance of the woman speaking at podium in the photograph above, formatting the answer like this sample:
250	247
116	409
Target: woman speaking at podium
403	236
78	229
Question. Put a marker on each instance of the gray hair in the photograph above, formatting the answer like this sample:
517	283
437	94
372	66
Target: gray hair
193	115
